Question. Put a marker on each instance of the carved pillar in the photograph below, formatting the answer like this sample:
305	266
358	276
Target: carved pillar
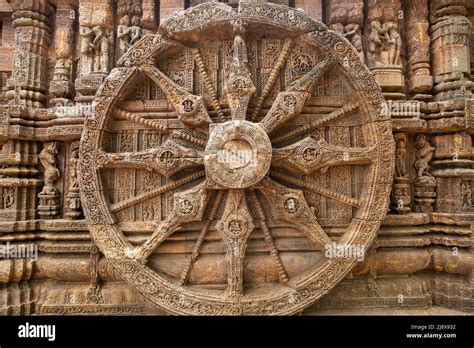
454	175
62	87
420	80
401	199
96	37
450	35
18	184
167	7
347	18
49	204
313	8
28	84
384	45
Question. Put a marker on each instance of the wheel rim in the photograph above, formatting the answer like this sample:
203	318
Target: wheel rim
245	150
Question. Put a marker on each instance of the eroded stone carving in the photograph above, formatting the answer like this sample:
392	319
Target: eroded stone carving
425	183
49	196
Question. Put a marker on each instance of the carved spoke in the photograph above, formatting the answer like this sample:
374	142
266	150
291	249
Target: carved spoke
197	247
167	159
188	206
239	88
262	220
290	103
190	108
318	189
162	127
310	155
291	207
235	227
156	192
346	110
273	77
159	126
209	85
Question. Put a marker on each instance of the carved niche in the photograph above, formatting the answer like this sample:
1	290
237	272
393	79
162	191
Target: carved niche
221	193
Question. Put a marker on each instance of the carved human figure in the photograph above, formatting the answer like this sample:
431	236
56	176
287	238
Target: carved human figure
353	34
73	170
466	192
47	158
424	154
87	50
124	34
101	45
73	199
375	42
135	31
8	197
400	156
394	42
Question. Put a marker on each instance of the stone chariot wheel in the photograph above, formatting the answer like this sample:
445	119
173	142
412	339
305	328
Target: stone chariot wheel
238	162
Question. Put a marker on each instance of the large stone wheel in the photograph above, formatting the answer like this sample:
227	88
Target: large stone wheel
239	157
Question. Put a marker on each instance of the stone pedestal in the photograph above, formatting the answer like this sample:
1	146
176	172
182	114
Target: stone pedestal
400	199
73	205
50	203
87	86
425	194
391	80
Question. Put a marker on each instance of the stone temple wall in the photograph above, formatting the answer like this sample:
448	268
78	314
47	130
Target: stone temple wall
55	57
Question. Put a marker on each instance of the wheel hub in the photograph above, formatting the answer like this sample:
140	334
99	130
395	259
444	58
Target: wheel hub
238	154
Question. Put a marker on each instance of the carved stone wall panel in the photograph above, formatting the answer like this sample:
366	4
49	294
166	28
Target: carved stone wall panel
239	159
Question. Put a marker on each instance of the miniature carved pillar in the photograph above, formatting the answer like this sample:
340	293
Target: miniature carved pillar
450	31
18	183
167	7
313	8
453	172
418	41
347	18
49	205
384	46
96	38
401	199
62	87
28	84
